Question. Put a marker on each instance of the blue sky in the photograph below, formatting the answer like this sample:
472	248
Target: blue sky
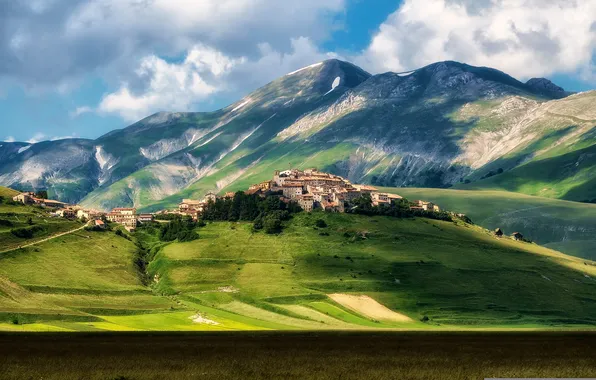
80	68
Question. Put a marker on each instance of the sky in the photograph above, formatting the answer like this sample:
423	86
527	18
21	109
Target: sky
81	68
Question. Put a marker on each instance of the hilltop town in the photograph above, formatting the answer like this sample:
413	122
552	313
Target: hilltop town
310	189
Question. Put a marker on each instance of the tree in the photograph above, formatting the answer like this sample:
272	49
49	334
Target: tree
43	194
178	229
272	224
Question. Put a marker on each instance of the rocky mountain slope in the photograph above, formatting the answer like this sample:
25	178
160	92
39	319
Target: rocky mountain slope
442	125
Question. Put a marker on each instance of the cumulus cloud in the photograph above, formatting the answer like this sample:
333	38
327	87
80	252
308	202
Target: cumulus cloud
160	85
57	42
524	38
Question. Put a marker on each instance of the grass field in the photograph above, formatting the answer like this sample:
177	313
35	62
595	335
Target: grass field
15	216
569	227
276	355
455	275
567	175
359	273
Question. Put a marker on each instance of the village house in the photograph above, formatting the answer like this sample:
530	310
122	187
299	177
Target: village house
210	196
67	213
99	223
89	214
366	189
517	236
380	198
263	186
29	198
428	206
190	205
292	189
24	198
125	216
306	202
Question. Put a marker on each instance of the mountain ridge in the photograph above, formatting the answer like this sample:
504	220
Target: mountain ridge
433	127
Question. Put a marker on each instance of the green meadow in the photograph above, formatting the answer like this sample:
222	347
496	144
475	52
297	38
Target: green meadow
358	273
565	226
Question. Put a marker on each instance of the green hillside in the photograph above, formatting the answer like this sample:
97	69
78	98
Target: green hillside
453	274
569	227
7	193
357	273
569	176
21	224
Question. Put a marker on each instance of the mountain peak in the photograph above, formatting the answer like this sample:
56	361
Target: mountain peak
544	86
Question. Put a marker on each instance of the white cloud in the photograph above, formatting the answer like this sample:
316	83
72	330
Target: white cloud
80	111
204	72
9	139
50	43
170	85
524	38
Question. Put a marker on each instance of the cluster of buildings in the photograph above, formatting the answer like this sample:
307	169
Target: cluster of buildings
29	198
127	217
311	189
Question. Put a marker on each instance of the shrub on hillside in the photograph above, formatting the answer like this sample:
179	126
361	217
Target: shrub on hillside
6	223
95	229
320	223
272	224
121	233
26	232
178	229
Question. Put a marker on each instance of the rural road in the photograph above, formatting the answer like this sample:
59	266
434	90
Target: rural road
46	239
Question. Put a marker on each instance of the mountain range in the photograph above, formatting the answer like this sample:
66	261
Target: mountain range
444	125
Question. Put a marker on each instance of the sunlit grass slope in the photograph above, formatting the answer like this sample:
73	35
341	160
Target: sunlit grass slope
569	227
357	273
452	274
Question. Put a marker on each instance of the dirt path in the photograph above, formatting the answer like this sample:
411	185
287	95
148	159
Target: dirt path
46	239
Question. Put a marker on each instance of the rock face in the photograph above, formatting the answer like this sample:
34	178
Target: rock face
433	127
547	88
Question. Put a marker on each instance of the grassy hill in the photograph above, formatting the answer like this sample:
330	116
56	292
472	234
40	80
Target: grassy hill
7	193
567	176
31	220
356	273
569	227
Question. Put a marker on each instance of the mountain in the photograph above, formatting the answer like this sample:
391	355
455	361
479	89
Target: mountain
442	125
547	88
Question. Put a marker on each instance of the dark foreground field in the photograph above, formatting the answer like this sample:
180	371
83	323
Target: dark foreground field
297	355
